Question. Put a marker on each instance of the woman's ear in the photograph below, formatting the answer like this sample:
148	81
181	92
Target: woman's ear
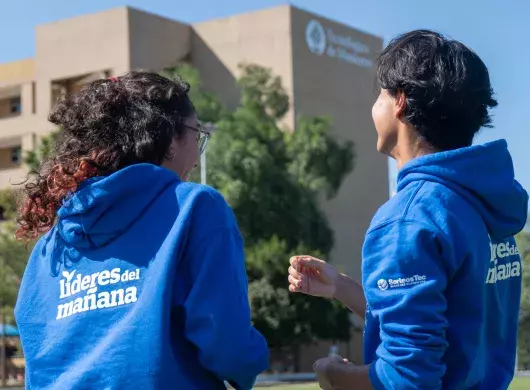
170	155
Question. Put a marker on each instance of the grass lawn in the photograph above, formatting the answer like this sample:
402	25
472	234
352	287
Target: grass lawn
520	383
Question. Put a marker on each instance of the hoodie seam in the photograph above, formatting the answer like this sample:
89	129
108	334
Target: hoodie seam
403	215
431	227
412	198
404	219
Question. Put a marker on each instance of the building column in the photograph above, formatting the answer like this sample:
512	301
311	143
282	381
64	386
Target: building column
27	98
43	97
28	142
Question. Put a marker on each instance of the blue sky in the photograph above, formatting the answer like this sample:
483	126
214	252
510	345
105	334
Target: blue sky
498	33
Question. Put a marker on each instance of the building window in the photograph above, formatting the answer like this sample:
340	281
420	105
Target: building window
16	155
16	107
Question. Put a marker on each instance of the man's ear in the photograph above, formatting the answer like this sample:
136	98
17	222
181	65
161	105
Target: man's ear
401	104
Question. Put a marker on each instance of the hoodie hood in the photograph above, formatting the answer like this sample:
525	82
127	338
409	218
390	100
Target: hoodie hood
481	174
105	207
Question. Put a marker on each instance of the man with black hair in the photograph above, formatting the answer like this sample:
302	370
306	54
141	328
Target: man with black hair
441	271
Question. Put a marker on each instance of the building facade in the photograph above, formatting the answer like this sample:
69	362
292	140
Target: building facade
327	68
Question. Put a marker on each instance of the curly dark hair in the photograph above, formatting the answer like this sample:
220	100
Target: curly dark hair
445	84
106	126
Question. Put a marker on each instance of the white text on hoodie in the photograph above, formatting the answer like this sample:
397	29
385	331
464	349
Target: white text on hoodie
73	284
505	262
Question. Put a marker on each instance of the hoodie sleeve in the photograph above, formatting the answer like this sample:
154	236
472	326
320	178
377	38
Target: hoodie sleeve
404	277
218	311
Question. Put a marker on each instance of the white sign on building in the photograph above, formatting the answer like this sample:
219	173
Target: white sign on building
325	41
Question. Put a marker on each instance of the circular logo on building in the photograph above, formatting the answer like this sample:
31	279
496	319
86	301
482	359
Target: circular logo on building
315	36
382	284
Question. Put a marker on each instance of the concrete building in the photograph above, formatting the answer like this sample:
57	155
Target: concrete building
327	68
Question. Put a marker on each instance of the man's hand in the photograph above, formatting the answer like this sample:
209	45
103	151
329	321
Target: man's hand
330	371
312	276
336	373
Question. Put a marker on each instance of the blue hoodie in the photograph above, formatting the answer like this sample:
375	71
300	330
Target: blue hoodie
141	284
442	274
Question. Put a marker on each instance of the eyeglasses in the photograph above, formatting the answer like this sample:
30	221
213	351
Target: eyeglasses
202	136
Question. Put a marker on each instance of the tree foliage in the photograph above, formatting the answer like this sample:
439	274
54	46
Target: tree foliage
8	205
13	253
34	158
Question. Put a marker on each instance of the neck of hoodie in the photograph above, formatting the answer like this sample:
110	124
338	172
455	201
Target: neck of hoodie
103	208
481	174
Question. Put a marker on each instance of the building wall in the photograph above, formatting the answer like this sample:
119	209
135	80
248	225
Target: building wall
327	82
79	46
156	42
219	46
17	71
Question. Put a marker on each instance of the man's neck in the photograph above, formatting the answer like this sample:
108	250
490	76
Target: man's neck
410	146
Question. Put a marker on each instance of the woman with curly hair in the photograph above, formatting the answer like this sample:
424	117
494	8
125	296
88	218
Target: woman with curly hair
139	279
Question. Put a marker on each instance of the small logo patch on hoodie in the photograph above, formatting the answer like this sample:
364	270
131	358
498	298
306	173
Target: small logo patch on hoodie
413	280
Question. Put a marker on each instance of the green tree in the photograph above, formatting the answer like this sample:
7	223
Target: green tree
13	254
8	205
274	180
13	258
34	158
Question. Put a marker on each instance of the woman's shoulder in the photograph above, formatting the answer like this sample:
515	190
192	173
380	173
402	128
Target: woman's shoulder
199	193
205	202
